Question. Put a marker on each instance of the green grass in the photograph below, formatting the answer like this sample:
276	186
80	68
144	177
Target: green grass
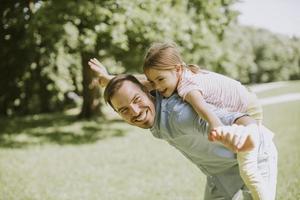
284	88
56	157
284	119
60	128
130	167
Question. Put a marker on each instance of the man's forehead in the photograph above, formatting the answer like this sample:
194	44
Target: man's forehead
125	94
129	89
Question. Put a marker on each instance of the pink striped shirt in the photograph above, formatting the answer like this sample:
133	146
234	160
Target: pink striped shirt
216	89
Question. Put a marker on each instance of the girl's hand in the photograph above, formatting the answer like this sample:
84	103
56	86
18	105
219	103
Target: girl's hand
236	137
98	68
102	75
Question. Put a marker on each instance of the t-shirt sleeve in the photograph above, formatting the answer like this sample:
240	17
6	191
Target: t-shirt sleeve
186	85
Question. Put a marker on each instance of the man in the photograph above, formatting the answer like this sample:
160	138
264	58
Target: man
176	122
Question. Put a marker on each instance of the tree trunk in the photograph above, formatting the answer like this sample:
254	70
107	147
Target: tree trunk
91	96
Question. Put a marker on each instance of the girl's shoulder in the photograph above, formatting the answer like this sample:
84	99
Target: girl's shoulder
188	72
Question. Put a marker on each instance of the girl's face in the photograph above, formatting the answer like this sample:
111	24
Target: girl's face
164	81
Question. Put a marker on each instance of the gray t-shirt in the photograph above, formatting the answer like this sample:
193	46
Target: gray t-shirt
178	124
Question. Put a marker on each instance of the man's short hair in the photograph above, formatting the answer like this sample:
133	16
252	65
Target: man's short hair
115	84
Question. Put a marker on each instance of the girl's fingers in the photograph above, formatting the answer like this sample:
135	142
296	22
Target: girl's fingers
97	62
243	138
219	133
93	66
92	61
226	132
212	136
238	132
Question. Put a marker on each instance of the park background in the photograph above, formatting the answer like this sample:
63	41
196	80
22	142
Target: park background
58	140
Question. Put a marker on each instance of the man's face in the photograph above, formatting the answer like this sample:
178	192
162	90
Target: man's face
134	105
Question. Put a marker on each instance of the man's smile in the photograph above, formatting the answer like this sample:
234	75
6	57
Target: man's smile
141	117
163	91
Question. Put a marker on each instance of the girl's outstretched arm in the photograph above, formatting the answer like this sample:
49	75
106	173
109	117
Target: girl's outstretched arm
196	100
104	77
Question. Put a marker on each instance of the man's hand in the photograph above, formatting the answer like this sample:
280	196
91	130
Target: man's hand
236	137
102	75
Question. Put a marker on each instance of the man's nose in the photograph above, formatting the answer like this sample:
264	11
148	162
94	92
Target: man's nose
135	109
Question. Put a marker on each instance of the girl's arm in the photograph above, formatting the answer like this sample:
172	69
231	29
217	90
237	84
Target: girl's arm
242	141
143	79
196	100
104	77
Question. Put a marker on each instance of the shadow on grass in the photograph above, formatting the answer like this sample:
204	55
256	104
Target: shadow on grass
59	129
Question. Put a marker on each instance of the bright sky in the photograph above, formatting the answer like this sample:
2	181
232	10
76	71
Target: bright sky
279	16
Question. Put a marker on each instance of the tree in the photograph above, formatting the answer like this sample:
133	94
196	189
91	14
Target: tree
15	54
122	29
55	39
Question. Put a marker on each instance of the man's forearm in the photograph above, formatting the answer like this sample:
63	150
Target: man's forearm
143	79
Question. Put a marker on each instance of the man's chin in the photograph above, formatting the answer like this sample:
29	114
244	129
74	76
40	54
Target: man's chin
148	123
145	125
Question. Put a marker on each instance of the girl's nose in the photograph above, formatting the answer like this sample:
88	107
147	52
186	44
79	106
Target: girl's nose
156	87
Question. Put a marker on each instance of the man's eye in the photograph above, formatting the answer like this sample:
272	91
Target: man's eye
123	111
160	79
137	99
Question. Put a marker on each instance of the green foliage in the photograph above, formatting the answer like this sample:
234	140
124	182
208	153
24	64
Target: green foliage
56	38
59	36
15	53
256	55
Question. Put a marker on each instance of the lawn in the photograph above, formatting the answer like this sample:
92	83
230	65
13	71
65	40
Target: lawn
56	157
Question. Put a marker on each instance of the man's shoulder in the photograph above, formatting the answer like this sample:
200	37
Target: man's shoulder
175	110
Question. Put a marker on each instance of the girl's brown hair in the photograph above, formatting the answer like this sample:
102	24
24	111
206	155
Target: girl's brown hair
165	56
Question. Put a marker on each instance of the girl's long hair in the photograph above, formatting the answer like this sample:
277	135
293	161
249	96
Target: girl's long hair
165	56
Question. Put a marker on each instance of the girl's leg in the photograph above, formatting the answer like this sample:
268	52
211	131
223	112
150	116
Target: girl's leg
254	108
267	161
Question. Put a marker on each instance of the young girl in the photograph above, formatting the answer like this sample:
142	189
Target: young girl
167	73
